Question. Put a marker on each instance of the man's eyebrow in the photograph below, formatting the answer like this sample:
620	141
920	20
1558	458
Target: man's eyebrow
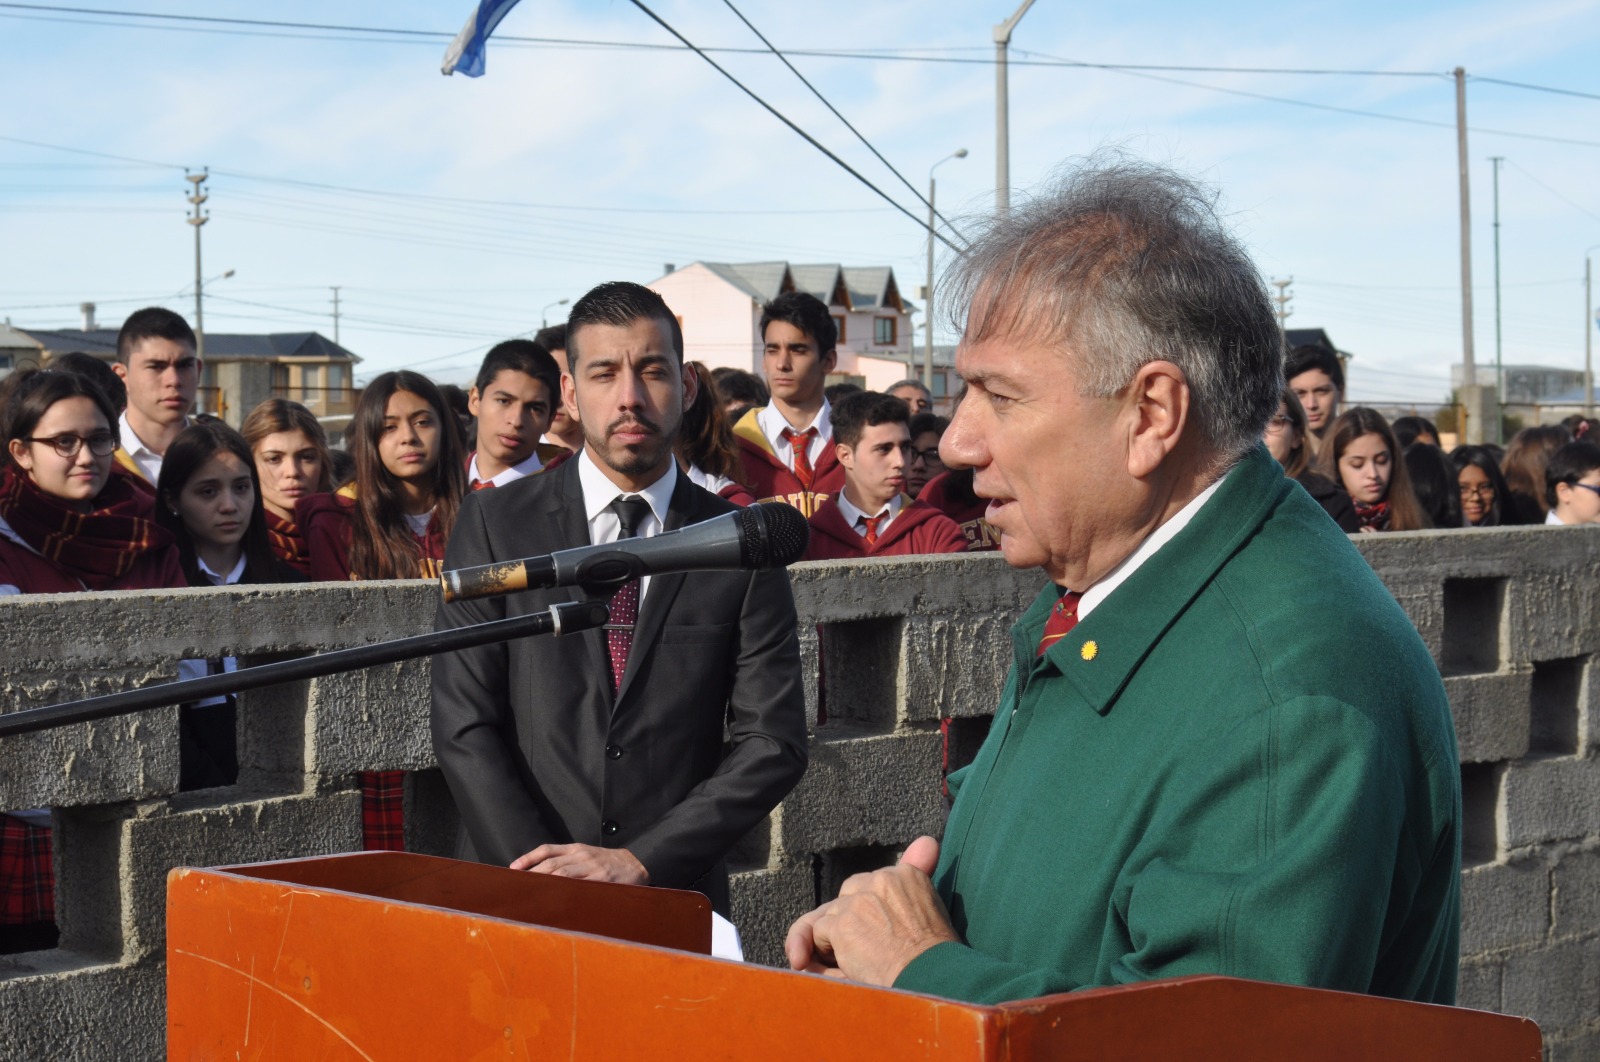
986	377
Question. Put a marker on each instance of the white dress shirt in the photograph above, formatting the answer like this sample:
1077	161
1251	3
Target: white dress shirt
856	517
1552	520
191	669
148	460
772	424
1147	549
527	467
598	494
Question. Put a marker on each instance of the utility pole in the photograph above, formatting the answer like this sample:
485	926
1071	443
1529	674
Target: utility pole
198	217
335	313
927	308
1002	112
1469	368
1283	298
1499	367
1589	325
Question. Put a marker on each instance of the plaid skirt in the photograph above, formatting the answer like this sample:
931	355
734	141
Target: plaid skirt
27	875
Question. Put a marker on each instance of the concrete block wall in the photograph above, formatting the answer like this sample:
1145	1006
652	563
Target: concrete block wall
1510	615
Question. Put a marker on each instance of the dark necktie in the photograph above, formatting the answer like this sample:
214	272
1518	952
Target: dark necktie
800	441
631	512
1063	617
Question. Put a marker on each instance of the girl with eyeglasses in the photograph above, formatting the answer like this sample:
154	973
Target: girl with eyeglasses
1485	498
1288	439
69	521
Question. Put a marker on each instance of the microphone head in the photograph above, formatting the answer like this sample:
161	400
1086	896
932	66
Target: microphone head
772	535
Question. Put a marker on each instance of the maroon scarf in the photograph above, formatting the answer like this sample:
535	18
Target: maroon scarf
1373	517
288	542
97	547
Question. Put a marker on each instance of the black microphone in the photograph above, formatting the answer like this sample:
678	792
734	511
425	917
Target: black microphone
768	535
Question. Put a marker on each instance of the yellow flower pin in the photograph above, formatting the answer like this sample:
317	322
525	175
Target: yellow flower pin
1089	650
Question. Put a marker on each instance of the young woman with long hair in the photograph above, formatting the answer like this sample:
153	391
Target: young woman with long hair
393	521
1527	456
70	520
292	462
1288	439
209	499
706	450
1360	453
1485	499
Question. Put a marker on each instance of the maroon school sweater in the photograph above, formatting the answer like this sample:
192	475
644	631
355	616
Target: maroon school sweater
920	528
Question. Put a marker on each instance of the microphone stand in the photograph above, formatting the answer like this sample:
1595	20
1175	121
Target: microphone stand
567	617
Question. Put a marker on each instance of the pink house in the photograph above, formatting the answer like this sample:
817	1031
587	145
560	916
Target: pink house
719	305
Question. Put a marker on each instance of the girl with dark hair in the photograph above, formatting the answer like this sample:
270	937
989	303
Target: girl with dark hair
706	450
1523	467
1361	454
291	458
1433	481
393	521
1288	439
69	521
209	501
1485	499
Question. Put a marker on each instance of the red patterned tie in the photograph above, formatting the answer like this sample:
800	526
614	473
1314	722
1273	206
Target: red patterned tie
631	512
872	529
482	484
800	442
1063	617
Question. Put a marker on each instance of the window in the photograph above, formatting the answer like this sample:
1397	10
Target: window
838	320
280	380
310	383
884	331
336	381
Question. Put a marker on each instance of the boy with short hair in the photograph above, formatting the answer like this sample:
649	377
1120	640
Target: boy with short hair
157	362
871	516
1316	377
1572	484
513	398
564	429
786	446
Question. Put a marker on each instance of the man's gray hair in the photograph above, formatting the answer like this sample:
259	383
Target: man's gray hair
1122	263
908	382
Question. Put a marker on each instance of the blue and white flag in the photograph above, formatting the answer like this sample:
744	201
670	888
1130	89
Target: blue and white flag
466	51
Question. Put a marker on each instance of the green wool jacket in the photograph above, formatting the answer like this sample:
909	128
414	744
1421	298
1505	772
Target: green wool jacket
1241	762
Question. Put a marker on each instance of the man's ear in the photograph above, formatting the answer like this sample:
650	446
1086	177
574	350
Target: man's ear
830	360
846	456
691	384
120	369
1157	407
474	400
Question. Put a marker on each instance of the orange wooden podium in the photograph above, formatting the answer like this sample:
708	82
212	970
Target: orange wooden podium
382	956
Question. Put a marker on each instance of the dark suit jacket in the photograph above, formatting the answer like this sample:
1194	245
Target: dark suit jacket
707	734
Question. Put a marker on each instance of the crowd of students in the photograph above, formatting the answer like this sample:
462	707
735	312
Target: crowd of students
1371	475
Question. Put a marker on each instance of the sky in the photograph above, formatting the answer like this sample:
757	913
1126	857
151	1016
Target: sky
454	212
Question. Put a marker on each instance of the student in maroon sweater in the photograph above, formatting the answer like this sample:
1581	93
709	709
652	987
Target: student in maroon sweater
70	520
787	445
292	462
871	517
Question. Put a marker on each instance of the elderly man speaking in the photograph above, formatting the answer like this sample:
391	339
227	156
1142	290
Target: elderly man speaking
1222	747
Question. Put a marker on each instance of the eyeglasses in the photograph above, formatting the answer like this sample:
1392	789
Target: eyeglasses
928	457
67	444
1279	422
1588	486
1484	490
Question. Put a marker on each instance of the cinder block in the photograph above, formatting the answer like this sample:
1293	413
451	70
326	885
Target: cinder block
93	1014
1550	800
375	719
1504	905
1491	714
879	790
1555	986
1478	985
1555	606
161	837
954	665
130	757
1575	894
765	903
1584	1047
843	591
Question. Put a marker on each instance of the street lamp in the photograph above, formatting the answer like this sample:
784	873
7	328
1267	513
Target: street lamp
927	309
1002	112
544	321
1588	333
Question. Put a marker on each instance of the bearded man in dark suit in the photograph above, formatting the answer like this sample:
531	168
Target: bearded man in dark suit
641	753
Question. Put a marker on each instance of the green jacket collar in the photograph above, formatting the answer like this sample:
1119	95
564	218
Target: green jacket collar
1101	653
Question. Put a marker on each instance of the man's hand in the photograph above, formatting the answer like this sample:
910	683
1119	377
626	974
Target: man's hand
584	861
879	923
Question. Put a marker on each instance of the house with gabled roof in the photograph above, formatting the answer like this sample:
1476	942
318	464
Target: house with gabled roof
719	306
241	370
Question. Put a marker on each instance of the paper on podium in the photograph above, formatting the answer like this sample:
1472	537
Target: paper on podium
725	942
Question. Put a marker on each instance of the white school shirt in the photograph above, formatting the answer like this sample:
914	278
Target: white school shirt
772	424
856	517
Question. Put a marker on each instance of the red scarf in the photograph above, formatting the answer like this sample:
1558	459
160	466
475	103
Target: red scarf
97	547
1373	517
288	543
